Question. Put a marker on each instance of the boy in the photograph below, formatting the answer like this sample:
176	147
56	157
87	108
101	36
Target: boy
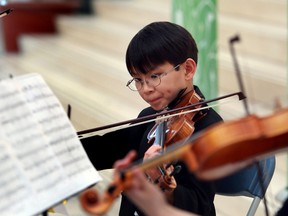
162	60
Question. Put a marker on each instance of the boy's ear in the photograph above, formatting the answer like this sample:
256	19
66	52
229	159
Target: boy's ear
190	67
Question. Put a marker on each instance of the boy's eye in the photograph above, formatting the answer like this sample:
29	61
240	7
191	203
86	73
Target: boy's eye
155	76
137	80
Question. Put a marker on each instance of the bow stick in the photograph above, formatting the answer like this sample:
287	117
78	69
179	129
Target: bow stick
165	114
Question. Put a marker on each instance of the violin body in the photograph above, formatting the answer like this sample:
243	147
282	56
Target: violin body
227	147
182	125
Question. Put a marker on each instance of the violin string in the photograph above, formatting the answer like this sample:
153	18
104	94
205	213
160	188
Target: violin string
165	117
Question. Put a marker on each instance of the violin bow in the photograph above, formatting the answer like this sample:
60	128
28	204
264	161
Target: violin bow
237	69
5	12
162	115
246	108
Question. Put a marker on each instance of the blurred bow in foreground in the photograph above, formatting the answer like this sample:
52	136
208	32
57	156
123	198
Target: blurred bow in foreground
5	12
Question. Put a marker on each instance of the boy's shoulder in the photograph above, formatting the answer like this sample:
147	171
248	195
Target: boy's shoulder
147	111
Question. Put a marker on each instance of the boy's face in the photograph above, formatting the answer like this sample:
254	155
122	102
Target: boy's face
171	84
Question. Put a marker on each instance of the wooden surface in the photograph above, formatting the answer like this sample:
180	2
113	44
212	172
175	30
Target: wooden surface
32	17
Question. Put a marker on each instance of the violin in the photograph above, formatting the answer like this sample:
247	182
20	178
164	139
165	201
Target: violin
114	192
169	131
216	152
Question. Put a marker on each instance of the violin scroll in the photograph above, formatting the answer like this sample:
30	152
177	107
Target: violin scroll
89	198
94	204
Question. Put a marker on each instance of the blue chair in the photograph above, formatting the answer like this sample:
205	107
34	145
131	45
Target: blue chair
246	182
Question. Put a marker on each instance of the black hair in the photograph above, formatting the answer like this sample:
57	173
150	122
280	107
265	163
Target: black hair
158	43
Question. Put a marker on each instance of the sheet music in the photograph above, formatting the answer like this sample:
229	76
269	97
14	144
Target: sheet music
42	161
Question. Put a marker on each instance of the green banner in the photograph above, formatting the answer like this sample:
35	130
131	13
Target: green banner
200	19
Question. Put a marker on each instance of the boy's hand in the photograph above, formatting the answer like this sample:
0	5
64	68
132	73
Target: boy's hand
160	175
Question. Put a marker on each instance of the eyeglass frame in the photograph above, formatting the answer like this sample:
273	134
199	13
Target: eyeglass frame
159	76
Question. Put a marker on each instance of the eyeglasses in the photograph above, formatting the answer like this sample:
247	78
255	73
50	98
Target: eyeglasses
136	84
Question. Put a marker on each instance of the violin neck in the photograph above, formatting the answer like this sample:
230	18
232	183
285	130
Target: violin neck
172	153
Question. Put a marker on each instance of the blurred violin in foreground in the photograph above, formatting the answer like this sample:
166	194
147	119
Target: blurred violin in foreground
216	152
